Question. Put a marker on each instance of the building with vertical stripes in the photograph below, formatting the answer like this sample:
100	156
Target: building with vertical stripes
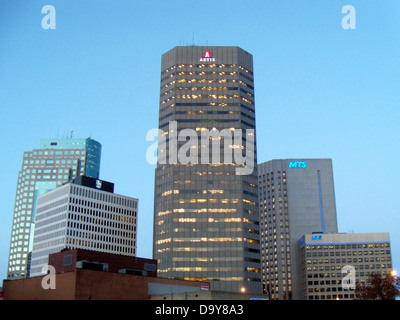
296	197
83	214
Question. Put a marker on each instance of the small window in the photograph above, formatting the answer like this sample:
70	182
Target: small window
68	260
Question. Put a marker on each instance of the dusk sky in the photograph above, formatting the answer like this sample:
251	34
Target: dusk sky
321	91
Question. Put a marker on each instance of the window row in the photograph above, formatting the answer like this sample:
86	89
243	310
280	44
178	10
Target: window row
103	196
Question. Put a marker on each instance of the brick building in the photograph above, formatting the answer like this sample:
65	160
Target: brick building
84	274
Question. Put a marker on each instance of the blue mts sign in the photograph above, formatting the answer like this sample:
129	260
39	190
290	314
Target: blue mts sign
298	164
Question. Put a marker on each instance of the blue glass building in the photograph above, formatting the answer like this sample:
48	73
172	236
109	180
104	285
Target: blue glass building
55	162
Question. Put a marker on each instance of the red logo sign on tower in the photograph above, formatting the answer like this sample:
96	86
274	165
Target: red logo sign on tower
207	57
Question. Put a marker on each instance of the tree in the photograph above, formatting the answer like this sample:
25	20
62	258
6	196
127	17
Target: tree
379	287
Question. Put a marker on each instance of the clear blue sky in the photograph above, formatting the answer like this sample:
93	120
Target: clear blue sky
320	91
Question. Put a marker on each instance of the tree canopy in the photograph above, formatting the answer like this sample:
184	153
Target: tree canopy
379	287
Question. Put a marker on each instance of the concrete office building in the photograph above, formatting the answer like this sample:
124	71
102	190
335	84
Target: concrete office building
296	197
333	264
206	222
52	164
83	214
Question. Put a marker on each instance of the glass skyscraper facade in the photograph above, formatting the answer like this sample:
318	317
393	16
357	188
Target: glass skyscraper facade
55	162
206	220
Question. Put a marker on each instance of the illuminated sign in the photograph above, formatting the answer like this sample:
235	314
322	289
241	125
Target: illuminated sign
207	57
205	287
316	237
98	184
298	164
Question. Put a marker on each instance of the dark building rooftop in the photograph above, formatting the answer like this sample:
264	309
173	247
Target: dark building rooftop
94	183
70	259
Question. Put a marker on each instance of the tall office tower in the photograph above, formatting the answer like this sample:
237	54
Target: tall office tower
83	214
206	222
55	162
297	197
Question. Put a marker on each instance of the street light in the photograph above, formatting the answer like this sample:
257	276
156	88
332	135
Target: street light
393	273
243	290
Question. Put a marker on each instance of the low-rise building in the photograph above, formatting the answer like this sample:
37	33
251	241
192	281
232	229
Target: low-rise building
333	264
84	274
